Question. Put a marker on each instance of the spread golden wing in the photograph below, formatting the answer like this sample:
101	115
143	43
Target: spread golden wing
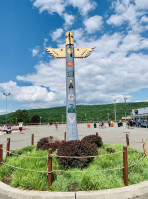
82	52
57	52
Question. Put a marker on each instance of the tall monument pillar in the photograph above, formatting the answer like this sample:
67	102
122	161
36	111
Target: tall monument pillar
69	52
71	119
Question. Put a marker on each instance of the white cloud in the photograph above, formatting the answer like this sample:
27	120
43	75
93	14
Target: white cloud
51	6
142	4
57	34
84	6
131	42
59	6
115	19
69	19
128	13
144	19
51	75
34	94
8	86
93	24
34	52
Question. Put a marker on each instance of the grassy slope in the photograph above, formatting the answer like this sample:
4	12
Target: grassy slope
65	181
92	112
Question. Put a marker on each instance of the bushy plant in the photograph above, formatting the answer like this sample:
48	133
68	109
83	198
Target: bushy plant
42	142
55	145
93	139
76	148
48	142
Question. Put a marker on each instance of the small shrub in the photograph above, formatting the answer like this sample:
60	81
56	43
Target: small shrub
76	148
110	150
93	139
42	142
48	142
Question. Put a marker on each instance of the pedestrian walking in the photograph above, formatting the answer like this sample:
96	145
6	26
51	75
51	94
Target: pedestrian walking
109	123
139	123
56	125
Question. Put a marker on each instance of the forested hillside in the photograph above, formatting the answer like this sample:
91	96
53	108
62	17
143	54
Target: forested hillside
84	112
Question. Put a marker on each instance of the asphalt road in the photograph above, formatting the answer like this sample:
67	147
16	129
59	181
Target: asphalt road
142	197
112	135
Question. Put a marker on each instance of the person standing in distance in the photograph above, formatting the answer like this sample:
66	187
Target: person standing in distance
20	126
56	125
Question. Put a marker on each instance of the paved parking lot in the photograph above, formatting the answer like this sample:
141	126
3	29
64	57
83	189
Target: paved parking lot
2	196
112	135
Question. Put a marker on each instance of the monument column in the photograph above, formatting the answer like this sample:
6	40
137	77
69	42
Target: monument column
71	119
70	53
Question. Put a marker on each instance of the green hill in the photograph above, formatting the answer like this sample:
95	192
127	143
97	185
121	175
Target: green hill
84	112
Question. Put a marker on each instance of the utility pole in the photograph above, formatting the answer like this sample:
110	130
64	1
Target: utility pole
115	110
6	94
125	98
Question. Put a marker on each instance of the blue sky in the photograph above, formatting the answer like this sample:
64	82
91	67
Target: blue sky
118	67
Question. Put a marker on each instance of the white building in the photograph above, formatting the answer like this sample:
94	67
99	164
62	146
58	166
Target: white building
142	114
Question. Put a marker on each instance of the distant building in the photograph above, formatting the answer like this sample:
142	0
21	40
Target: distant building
142	114
127	118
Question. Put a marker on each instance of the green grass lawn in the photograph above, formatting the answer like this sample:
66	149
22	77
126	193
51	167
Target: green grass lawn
70	181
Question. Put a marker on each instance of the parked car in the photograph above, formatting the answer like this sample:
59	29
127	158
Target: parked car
144	124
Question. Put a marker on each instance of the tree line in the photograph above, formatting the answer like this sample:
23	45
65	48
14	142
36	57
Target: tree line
84	113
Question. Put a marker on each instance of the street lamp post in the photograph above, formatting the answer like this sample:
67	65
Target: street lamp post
125	98
6	94
16	121
40	119
115	109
